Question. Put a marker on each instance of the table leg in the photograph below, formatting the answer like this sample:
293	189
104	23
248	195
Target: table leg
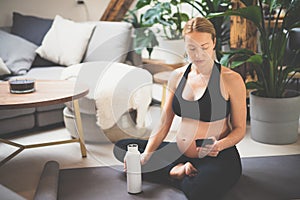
163	98
21	148
79	127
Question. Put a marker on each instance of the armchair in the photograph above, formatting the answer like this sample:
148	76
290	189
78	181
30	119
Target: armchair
117	103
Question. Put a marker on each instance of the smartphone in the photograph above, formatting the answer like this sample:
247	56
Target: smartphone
203	142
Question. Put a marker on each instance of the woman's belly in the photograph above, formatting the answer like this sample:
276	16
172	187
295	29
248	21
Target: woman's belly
190	130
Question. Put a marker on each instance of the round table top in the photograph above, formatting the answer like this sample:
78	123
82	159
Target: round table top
47	92
162	77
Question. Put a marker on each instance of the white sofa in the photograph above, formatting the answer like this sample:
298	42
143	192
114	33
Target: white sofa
110	42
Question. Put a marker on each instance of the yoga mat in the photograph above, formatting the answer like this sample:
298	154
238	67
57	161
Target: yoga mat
108	183
268	178
263	178
48	183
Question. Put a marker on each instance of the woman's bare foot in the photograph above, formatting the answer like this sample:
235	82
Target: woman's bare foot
190	170
180	170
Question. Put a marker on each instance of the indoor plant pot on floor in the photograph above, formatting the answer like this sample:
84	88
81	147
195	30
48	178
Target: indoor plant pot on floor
273	71
274	120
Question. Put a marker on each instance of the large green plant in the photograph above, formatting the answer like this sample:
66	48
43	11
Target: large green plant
273	76
221	24
168	14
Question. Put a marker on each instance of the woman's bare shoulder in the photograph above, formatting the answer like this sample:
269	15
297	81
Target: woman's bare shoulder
231	76
176	75
233	81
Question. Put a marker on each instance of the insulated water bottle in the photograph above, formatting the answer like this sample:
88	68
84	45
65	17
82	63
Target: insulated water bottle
133	165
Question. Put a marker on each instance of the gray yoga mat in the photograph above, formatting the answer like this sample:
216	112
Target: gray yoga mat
48	184
108	183
268	178
273	177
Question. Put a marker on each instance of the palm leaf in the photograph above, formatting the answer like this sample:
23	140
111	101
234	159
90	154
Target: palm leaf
251	13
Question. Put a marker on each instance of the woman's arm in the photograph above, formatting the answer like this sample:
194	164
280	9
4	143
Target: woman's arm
236	89
167	116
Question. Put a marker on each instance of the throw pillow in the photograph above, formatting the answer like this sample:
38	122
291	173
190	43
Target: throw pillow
66	41
3	69
30	28
16	52
41	62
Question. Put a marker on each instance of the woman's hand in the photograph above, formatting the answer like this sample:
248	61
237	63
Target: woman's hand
209	150
145	157
214	149
124	165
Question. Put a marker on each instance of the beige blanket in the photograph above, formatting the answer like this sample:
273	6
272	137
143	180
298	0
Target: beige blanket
115	87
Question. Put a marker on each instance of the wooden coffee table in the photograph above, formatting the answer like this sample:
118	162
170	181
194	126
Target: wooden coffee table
48	92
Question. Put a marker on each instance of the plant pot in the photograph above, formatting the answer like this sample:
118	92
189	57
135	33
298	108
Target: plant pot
172	51
274	120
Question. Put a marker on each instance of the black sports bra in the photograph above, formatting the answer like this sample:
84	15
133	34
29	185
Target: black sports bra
210	107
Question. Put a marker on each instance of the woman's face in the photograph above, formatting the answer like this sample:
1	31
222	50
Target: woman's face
200	48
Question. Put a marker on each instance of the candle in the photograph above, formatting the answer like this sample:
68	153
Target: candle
20	86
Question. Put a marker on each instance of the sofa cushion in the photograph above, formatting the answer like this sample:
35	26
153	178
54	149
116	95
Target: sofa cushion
11	113
3	68
42	73
19	123
41	62
49	118
30	28
66	41
33	29
16	52
111	41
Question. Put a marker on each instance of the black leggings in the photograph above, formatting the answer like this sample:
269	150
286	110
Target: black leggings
216	175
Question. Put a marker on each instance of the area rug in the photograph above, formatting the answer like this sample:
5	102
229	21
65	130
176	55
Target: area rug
273	177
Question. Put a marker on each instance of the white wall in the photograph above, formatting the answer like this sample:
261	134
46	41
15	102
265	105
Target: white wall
91	10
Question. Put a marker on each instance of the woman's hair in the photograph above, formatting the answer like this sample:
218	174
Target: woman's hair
199	24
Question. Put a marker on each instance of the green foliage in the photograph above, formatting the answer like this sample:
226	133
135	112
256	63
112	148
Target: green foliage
144	36
168	14
272	74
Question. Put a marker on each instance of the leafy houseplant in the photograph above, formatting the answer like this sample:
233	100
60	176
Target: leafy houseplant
144	36
167	19
273	76
274	111
168	14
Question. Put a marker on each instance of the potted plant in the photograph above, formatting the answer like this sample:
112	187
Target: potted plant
274	110
144	36
169	19
168	14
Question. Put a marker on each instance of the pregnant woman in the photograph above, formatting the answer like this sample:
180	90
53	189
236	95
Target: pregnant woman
211	101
